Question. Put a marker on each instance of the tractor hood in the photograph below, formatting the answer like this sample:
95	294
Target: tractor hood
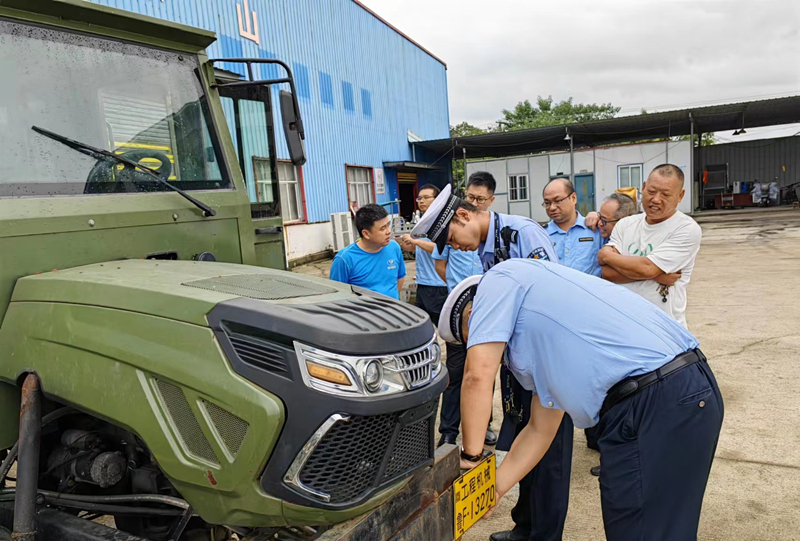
289	306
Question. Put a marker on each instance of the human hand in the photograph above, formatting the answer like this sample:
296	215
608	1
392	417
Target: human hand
467	465
592	220
604	252
668	279
407	242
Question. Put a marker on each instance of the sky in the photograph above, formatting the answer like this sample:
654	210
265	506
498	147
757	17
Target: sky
652	54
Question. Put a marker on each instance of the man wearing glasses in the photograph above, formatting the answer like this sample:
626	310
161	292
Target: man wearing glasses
431	289
455	266
455	224
577	245
614	208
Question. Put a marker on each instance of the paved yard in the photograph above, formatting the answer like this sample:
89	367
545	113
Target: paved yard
744	306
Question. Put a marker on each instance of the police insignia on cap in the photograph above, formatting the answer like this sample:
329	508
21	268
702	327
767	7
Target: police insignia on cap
435	223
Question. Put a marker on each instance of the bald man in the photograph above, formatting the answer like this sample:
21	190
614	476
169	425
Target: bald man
653	254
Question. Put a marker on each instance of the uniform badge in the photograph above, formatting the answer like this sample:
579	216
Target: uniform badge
539	253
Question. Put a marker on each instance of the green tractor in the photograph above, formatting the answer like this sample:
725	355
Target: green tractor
150	369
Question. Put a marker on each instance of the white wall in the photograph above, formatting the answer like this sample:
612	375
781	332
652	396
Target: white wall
649	155
603	162
305	239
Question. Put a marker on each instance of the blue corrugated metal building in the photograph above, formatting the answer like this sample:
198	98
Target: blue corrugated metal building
364	88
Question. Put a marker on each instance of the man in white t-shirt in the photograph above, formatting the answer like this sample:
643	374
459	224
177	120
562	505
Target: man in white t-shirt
653	253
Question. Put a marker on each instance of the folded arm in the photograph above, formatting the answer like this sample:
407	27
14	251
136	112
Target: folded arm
634	267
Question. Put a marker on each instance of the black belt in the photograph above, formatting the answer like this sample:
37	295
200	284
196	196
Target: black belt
636	384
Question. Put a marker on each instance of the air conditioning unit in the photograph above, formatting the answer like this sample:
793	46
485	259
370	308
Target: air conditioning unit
343	230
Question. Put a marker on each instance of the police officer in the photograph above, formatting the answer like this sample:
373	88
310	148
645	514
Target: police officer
541	510
576	243
607	357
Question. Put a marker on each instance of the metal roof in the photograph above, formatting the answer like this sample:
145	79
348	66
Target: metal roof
390	25
413	166
711	118
94	17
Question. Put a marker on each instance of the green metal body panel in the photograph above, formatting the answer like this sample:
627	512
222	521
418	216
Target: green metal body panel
100	325
100	336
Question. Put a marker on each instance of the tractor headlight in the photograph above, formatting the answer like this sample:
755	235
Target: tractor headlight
349	375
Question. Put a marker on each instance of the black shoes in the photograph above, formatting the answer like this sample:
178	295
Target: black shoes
595	471
491	437
447	438
509	535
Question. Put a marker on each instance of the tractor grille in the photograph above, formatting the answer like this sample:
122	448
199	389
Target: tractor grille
416	367
347	461
411	449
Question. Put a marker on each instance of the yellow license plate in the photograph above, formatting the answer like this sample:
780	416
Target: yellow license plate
474	493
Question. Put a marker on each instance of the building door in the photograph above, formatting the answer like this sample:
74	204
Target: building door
407	193
584	187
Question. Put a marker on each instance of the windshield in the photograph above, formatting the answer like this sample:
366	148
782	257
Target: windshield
142	103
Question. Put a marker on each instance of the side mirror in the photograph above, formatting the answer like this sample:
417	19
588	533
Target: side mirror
291	129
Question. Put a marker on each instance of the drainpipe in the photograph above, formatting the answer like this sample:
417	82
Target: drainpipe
571	159
464	153
695	194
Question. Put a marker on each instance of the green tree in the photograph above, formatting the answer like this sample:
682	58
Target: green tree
465	129
546	113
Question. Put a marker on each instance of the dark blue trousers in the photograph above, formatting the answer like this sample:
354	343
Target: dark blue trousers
541	509
450	418
656	450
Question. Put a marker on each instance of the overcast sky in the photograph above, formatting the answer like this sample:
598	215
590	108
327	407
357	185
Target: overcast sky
653	54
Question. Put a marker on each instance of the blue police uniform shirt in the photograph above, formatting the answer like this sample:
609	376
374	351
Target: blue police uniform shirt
571	336
577	248
533	242
426	269
379	271
460	265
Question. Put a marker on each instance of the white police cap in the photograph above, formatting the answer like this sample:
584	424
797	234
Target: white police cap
457	300
435	223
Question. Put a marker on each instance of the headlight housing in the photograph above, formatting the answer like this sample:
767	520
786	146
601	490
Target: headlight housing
347	375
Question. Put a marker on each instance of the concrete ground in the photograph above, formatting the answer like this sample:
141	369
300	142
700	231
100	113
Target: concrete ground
744	307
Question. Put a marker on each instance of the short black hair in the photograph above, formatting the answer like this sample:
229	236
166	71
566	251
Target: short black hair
367	215
565	181
432	188
466	205
482	178
668	170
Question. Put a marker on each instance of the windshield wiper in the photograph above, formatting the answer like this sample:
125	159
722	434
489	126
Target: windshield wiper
96	153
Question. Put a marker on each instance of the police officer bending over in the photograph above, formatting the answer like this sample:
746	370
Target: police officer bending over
541	509
607	357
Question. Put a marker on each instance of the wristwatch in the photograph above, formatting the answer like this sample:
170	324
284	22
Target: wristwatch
471	458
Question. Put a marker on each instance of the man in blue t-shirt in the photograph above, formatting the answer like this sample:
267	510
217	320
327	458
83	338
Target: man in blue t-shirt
374	261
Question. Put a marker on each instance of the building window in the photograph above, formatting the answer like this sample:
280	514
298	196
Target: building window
291	186
518	188
265	185
359	186
301	78
366	103
347	96
326	89
630	176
